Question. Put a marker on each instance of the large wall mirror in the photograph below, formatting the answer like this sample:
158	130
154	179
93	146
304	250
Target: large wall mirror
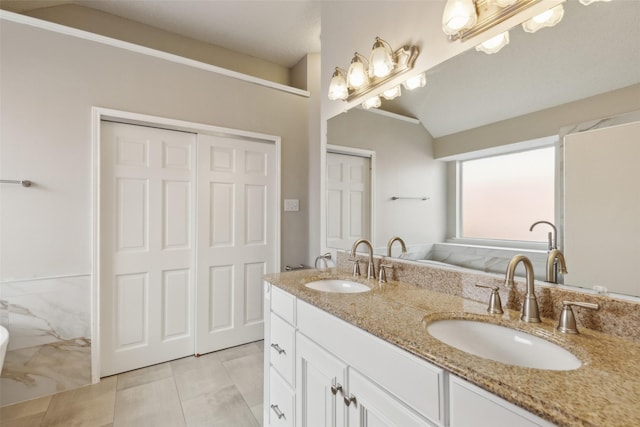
586	68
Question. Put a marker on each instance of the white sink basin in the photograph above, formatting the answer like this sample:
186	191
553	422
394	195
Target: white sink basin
503	344
338	285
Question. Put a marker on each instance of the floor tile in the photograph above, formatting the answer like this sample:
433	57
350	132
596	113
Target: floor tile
222	408
239	351
86	406
247	374
28	421
199	375
24	409
144	376
154	404
257	412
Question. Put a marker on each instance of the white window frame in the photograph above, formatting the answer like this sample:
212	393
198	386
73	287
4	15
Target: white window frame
454	235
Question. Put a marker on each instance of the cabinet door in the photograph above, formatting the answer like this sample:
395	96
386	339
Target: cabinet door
371	406
320	378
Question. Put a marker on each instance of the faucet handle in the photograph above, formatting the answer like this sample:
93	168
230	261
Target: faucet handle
495	305
567	322
382	272
356	266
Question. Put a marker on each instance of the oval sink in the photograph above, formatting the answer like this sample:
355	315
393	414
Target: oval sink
337	285
503	344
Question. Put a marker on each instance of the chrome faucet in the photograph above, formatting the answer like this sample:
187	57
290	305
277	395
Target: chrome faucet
553	239
551	246
530	311
555	264
371	272
392	241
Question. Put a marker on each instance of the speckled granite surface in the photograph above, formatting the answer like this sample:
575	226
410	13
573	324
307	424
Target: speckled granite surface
604	391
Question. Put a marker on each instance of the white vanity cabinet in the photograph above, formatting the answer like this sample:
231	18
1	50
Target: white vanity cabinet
471	406
323	371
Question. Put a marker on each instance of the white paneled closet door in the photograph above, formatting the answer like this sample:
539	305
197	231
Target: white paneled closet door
348	199
147	246
237	204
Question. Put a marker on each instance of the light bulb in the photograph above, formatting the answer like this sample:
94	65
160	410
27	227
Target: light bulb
380	61
494	44
548	18
588	2
338	86
458	15
357	75
392	93
373	102
415	82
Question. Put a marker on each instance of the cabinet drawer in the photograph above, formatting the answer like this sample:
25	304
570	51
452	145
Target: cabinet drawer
281	402
282	348
471	406
283	304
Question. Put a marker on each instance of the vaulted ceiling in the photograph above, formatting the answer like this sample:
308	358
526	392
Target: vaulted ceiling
595	49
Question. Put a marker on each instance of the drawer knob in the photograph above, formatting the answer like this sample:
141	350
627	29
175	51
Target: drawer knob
335	388
278	412
349	400
278	349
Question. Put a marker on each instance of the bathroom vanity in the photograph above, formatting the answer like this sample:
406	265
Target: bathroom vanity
367	359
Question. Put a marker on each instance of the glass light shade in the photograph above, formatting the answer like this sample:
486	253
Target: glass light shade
415	82
357	74
338	86
392	93
381	60
373	102
548	18
588	2
494	44
458	15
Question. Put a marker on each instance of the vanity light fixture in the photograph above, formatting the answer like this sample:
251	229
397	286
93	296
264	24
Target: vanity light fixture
494	44
364	76
548	18
464	19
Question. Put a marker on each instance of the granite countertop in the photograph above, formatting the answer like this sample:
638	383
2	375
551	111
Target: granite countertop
604	391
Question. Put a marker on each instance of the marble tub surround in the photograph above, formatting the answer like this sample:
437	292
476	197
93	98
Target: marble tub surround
604	391
617	317
49	350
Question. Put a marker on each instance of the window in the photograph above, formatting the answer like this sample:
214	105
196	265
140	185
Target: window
501	196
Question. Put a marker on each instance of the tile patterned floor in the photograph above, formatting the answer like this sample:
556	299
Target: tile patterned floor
218	389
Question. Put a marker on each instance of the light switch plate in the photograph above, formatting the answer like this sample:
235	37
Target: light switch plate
291	205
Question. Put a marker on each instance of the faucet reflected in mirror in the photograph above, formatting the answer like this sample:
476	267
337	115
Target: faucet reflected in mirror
530	312
555	255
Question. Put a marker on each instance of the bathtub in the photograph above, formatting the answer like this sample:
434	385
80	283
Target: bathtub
4	341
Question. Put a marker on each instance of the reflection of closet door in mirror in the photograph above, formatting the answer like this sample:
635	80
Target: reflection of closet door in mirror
348	199
602	208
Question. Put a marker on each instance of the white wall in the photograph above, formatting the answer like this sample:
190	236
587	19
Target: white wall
602	208
103	23
50	81
405	167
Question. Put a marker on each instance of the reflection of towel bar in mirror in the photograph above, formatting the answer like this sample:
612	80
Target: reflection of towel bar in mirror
409	198
24	182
